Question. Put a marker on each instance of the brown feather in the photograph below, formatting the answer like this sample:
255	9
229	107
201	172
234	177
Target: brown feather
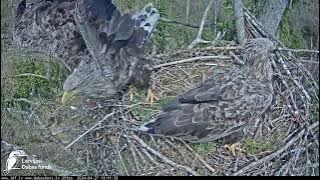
93	39
223	105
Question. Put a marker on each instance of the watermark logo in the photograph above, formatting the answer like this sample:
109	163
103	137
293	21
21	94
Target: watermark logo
18	159
13	160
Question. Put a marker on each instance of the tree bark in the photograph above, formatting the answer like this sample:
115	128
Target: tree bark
215	15
239	20
271	14
187	11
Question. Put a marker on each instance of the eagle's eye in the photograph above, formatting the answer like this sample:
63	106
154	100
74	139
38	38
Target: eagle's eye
153	12
148	9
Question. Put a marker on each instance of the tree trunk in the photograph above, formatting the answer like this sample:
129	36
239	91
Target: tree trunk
187	11
215	15
271	14
239	20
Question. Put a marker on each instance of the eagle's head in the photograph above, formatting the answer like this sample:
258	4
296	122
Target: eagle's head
257	58
87	80
257	49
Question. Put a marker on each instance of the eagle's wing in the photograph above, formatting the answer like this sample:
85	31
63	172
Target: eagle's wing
102	47
212	110
105	30
75	30
49	27
20	9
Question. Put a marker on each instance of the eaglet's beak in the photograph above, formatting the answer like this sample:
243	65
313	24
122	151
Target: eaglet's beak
67	96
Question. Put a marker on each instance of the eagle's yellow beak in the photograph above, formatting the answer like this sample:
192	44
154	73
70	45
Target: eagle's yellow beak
67	96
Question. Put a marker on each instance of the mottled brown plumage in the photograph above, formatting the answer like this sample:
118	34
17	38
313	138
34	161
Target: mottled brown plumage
91	37
224	105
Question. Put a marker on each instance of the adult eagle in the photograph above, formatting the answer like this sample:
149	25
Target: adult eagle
223	106
102	47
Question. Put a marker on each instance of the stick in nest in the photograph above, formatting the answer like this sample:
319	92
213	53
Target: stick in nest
162	157
276	153
199	157
90	129
189	60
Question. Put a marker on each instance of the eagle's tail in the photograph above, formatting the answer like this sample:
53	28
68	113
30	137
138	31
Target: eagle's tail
148	127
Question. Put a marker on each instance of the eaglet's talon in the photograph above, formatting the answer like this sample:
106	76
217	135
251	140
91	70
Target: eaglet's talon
131	93
151	97
233	148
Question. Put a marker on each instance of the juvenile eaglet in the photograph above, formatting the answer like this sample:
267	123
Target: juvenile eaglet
224	105
103	48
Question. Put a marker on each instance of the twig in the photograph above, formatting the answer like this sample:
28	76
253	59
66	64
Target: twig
184	51
26	75
164	158
122	163
307	61
90	129
134	155
218	37
259	27
21	100
139	153
298	50
180	23
236	58
149	156
199	158
203	20
200	58
287	87
276	153
290	75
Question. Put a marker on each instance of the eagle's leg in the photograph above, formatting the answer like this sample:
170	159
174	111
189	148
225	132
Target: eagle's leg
131	93
151	97
233	148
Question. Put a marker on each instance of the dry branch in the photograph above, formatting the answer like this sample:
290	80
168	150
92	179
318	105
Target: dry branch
276	153
164	158
203	20
190	60
179	23
26	75
298	50
90	129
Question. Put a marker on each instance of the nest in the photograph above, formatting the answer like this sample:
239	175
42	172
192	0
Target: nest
98	138
93	140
